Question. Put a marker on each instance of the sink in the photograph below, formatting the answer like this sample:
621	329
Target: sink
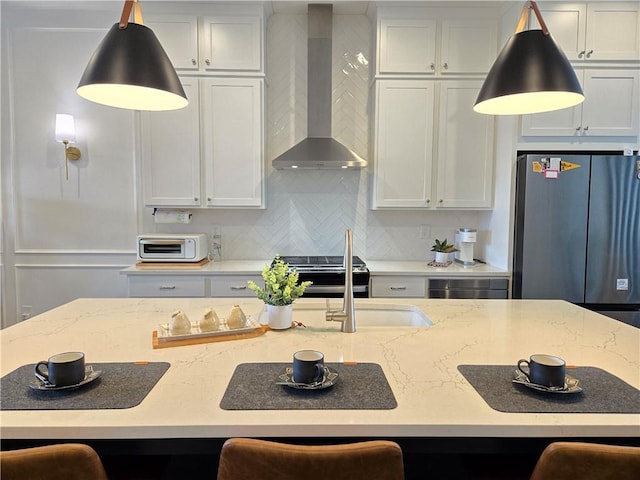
373	314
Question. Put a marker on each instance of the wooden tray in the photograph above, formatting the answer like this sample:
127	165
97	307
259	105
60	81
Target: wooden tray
197	339
172	265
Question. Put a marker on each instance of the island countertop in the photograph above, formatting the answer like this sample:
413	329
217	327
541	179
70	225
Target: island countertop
434	399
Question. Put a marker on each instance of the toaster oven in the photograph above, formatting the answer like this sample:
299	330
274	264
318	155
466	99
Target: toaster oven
158	247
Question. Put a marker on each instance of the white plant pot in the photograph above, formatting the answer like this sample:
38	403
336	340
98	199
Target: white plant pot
442	257
280	316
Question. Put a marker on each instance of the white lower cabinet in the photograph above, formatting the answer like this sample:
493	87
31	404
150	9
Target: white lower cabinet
419	163
166	286
233	285
209	154
398	286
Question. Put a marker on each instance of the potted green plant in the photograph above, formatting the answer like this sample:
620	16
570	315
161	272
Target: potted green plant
281	289
444	251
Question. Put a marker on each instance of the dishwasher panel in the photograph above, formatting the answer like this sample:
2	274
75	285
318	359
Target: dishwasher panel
478	288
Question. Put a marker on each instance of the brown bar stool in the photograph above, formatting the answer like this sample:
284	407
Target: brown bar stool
250	459
587	461
70	461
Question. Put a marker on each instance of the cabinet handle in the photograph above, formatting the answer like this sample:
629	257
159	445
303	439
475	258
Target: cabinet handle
589	53
581	54
445	65
586	128
441	201
193	61
167	287
578	129
432	66
195	199
209	199
242	287
428	200
207	61
397	288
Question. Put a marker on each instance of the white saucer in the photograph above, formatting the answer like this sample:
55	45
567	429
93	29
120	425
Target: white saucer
570	384
328	379
90	376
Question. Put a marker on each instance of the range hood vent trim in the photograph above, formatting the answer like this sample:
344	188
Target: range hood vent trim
319	151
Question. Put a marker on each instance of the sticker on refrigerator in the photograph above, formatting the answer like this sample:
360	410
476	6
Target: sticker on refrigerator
552	166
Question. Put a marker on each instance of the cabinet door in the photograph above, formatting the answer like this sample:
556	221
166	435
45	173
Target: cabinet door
407	46
233	285
233	141
558	123
613	30
178	35
611	106
171	153
567	24
468	46
232	43
398	286
465	149
403	152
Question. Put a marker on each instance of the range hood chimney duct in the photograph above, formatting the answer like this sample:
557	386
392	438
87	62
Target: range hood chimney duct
319	150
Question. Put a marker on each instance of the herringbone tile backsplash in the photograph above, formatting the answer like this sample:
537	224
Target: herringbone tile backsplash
308	211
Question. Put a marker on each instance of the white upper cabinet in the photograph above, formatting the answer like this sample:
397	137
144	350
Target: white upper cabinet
232	128
597	31
232	43
468	46
215	44
425	44
611	108
178	35
407	45
171	153
403	151
465	149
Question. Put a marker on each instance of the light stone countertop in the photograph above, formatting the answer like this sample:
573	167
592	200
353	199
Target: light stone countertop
434	399
384	267
376	267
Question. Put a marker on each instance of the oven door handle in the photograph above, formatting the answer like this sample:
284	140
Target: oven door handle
335	288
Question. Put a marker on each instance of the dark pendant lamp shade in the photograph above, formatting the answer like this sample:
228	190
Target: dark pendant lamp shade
131	70
530	75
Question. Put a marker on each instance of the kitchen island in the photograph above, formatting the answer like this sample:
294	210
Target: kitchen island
420	364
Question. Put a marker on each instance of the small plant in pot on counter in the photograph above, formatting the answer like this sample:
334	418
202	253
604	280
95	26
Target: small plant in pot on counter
444	250
281	289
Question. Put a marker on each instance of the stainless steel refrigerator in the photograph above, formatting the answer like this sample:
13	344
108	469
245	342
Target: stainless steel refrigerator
577	231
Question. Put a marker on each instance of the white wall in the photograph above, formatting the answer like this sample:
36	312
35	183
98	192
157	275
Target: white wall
63	238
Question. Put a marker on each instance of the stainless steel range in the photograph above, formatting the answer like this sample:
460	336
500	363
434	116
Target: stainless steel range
327	275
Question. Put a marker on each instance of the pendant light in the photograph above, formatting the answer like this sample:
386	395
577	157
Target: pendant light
530	75
130	69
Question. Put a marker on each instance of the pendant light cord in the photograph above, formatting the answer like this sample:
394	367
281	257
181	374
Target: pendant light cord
524	17
126	13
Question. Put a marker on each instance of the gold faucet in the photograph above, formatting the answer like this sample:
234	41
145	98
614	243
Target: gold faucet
347	315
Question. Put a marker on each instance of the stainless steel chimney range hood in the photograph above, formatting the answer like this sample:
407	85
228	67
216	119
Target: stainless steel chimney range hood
319	150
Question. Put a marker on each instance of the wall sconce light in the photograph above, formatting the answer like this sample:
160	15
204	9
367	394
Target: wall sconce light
66	134
531	74
131	70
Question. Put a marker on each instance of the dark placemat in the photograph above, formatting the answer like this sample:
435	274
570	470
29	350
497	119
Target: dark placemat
359	386
602	392
121	385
